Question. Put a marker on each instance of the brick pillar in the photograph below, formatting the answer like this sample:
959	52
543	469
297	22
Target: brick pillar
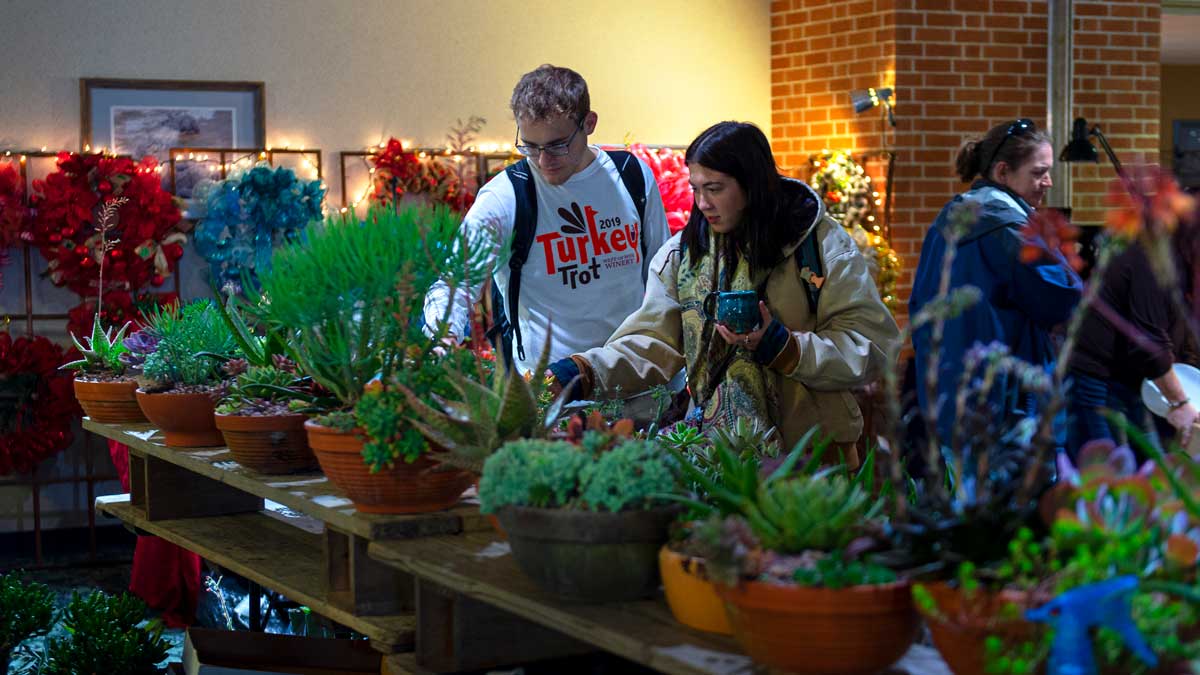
1117	87
958	67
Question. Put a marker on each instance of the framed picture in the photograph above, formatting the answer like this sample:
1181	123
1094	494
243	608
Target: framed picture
1186	137
149	117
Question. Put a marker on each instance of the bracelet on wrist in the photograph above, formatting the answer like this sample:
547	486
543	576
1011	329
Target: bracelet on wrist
1176	405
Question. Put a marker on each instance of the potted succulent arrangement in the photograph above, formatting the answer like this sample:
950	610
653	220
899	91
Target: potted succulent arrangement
795	562
1112	518
732	459
183	349
102	388
262	414
585	521
791	554
348	303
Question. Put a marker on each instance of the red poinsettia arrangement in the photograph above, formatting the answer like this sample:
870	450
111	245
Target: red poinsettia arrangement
67	204
671	173
37	402
399	171
14	215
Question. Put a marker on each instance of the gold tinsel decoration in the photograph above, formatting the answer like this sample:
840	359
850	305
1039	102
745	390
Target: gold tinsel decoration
850	199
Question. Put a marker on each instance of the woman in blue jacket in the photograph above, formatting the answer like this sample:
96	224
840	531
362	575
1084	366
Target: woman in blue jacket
1021	302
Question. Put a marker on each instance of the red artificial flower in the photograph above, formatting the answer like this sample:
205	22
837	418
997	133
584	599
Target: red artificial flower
672	174
37	402
68	202
398	172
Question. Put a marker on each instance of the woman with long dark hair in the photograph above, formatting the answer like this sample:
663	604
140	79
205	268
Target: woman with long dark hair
821	327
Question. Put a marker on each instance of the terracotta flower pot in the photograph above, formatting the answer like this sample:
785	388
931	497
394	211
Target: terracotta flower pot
268	443
185	419
857	630
109	402
588	556
405	488
961	626
692	598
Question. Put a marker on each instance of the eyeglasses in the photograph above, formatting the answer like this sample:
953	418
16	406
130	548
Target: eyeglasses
1018	128
559	149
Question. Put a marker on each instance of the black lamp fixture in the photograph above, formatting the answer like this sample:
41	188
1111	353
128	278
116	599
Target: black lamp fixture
1080	149
865	99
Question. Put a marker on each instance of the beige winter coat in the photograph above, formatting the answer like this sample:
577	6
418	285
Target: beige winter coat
844	346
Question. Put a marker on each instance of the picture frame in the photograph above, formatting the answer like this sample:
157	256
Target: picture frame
1186	151
150	117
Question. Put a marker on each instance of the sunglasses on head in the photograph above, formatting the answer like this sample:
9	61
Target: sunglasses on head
1017	128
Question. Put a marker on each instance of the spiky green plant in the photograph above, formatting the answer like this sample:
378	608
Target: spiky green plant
104	635
348	299
727	476
820	512
474	424
101	353
193	342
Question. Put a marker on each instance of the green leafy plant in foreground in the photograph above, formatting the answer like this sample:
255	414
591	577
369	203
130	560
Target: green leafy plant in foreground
26	610
101	353
105	635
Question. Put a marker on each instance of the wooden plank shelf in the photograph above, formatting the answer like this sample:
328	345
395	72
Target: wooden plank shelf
645	632
277	550
483	569
308	493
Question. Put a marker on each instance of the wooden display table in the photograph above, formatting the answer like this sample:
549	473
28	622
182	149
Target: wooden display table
295	534
438	583
477	574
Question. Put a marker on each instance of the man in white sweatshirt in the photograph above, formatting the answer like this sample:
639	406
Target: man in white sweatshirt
588	256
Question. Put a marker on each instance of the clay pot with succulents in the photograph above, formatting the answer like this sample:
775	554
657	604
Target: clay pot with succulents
181	377
263	433
361	352
779	549
589	524
103	388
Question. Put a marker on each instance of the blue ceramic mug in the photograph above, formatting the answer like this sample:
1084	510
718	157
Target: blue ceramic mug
738	310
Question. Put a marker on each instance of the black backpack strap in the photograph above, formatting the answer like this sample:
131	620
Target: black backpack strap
630	170
524	227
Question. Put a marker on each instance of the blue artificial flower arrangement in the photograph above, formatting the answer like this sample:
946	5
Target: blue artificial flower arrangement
248	215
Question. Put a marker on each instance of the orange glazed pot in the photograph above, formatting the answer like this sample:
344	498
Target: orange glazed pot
109	402
961	626
268	443
405	488
692	598
851	631
186	420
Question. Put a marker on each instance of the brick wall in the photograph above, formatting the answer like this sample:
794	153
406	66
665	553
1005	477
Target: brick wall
1116	86
958	67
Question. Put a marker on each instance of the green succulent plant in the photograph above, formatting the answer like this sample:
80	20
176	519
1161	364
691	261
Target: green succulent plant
556	474
101	353
105	635
193	342
471	425
727	475
820	512
26	610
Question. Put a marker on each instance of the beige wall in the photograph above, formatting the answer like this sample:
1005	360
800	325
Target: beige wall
341	74
1180	101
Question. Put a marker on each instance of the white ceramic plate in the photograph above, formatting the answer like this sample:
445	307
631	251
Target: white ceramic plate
1189	379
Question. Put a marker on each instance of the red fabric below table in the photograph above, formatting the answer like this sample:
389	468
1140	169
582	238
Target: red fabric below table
165	576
